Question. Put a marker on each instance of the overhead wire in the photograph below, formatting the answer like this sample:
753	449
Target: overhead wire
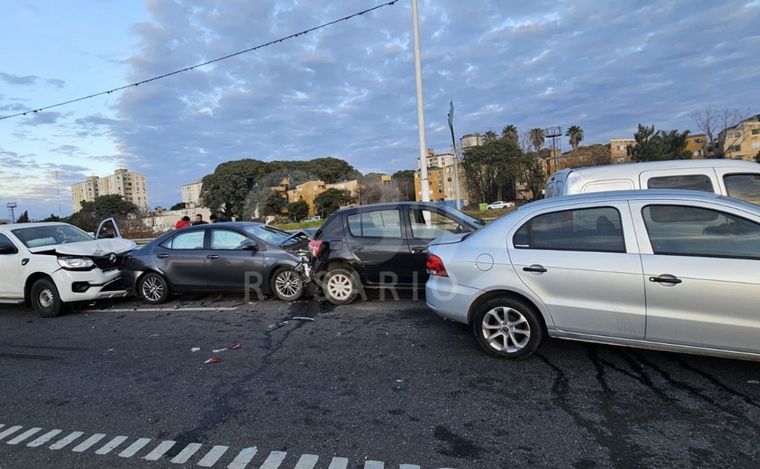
202	64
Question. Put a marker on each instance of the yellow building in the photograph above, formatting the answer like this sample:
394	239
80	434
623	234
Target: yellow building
308	191
619	149
741	141
697	145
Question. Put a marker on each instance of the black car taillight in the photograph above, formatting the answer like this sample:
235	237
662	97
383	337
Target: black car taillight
434	266
315	247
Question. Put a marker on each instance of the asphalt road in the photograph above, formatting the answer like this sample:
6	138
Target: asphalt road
387	382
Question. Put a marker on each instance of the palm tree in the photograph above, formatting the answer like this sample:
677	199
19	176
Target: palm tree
537	138
510	133
489	136
575	134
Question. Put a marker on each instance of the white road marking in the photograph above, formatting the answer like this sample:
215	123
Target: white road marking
338	463
213	456
186	453
307	461
111	445
409	466
160	450
134	448
243	458
62	443
158	310
43	439
274	460
19	438
374	465
9	431
87	444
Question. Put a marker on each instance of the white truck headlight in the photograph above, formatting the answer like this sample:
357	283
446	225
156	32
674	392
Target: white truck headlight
76	263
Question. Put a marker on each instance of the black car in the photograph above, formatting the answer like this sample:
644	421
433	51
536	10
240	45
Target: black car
380	245
219	257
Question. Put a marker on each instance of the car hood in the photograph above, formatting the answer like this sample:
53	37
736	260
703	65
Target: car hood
96	247
449	239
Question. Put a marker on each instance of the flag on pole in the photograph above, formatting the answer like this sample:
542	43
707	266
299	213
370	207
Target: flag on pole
451	114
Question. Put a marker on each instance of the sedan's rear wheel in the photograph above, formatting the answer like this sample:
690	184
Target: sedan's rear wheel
508	328
340	286
287	284
153	288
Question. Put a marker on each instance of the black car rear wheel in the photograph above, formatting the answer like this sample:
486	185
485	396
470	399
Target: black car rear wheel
340	286
153	288
287	284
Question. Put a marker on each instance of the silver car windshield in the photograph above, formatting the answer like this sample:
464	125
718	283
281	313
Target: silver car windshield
51	235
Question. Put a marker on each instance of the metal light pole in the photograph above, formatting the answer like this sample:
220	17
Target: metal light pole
420	105
456	156
11	206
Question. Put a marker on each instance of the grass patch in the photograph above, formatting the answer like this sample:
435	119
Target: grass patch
299	226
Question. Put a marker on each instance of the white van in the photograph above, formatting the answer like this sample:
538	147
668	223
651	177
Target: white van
734	178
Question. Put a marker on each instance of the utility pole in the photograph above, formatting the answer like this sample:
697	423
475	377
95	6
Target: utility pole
420	105
456	156
11	207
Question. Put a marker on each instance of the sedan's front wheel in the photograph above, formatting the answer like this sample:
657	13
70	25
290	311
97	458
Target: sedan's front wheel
45	298
287	284
508	328
153	288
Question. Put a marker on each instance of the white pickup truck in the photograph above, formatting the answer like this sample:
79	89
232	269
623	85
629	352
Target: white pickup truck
48	265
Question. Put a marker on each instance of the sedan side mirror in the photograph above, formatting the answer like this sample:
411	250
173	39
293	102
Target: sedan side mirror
249	245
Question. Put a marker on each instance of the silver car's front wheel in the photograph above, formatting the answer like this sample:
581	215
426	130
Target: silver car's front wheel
508	328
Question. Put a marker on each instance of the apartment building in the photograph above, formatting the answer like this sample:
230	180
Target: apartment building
133	187
619	149
309	190
437	160
697	145
741	141
191	193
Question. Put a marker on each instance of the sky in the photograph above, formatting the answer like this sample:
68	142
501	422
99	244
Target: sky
348	90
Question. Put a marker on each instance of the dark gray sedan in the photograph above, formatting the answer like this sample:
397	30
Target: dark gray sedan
241	256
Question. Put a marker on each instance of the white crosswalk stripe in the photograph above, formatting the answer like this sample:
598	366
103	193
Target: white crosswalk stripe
409	466
88	443
338	463
186	453
374	465
27	434
44	438
213	456
111	445
10	431
274	460
134	448
307	461
243	458
160	450
66	440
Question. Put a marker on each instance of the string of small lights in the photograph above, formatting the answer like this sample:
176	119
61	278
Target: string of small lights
202	64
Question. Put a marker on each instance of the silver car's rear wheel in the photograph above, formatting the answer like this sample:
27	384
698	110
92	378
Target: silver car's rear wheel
505	329
508	327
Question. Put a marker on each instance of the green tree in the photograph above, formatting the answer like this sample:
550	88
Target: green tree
757	157
274	203
404	182
298	210
178	206
575	136
491	169
652	145
533	174
104	206
510	133
23	218
52	217
329	201
537	138
225	190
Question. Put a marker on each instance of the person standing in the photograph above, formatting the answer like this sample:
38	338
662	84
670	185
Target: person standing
184	222
199	220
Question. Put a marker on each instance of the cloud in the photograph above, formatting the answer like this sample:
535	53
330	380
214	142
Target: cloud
17	79
42	118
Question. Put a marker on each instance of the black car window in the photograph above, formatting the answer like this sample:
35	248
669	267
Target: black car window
693	182
678	230
587	229
227	240
376	224
427	224
187	240
743	186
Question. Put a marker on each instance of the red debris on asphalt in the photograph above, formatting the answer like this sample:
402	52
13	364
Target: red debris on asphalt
211	361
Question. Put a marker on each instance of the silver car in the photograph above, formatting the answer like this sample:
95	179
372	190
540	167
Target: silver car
661	269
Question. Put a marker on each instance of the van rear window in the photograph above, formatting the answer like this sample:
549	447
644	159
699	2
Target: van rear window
743	186
692	182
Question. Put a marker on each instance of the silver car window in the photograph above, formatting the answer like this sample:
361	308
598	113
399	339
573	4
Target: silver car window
693	182
677	230
587	229
743	186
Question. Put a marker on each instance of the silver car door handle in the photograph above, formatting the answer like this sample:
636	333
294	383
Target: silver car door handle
666	278
536	268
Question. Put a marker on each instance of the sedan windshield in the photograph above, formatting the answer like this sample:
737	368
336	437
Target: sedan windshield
268	234
50	235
